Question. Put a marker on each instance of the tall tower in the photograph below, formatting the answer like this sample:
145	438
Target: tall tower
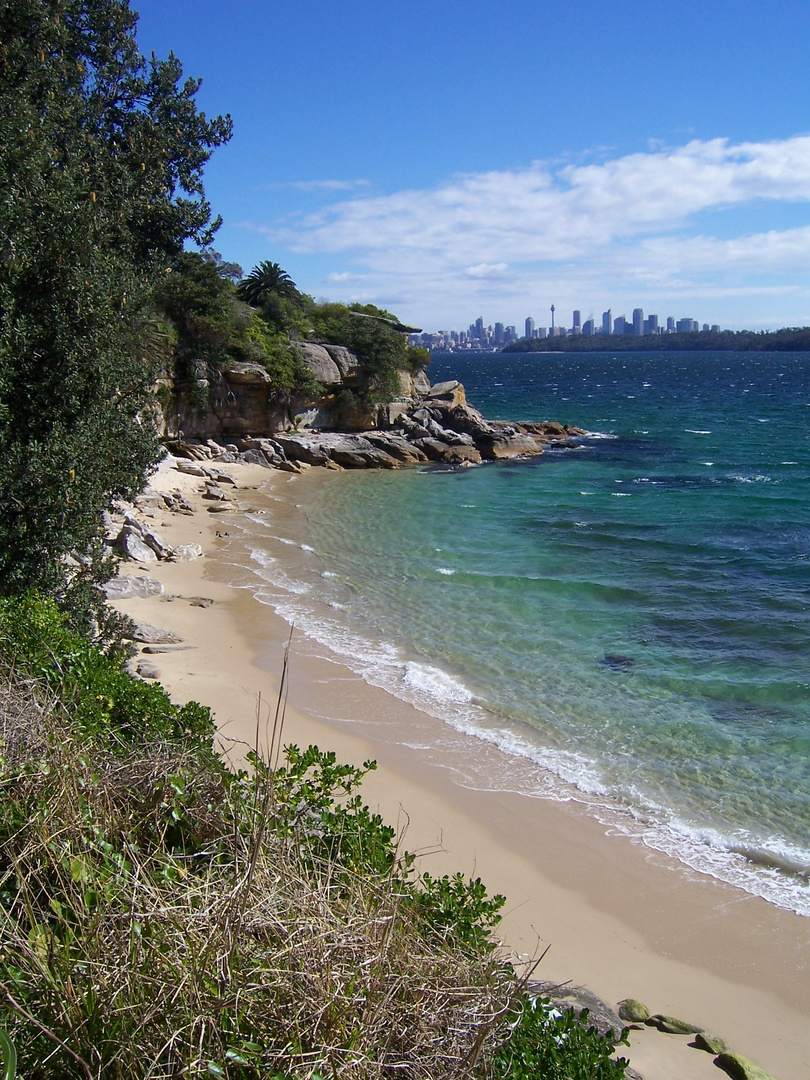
638	321
552	320
607	322
529	327
577	326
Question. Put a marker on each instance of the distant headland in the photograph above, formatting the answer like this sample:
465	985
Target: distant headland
789	339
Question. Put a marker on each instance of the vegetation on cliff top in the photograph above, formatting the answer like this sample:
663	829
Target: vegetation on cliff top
218	318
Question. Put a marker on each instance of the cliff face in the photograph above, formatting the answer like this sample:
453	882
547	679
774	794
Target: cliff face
240	400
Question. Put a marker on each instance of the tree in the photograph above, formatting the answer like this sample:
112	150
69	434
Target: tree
101	158
266	280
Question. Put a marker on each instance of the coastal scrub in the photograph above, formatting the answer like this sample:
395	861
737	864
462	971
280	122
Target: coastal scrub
164	915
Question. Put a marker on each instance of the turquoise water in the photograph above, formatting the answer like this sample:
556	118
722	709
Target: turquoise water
628	620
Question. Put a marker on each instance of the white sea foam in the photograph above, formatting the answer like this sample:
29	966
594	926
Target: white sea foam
695	431
306	547
259	519
445	570
437	684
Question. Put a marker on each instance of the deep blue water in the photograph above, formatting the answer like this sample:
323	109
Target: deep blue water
630	618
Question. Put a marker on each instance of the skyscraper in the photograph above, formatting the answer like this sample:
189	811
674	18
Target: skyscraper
576	328
529	327
638	321
607	322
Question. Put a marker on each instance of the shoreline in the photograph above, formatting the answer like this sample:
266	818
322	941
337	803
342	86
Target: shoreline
620	918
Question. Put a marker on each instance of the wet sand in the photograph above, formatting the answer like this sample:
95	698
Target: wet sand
619	918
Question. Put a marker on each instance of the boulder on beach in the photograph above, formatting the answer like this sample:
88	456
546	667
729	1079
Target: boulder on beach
155	635
672	1025
634	1011
741	1068
122	588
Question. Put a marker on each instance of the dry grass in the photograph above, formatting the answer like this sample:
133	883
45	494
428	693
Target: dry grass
154	924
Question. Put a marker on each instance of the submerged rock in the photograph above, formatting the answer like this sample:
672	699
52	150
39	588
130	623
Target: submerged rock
619	662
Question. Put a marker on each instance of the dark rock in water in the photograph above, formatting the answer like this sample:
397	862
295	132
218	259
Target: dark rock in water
633	1011
710	1043
672	1025
619	662
741	1068
600	1015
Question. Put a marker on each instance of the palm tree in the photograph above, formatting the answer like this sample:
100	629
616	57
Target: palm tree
265	280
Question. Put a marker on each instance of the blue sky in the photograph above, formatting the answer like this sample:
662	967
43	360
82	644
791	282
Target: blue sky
448	160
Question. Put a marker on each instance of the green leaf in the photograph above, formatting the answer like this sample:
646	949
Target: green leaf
8	1056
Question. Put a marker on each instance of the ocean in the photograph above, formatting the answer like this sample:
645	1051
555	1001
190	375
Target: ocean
627	622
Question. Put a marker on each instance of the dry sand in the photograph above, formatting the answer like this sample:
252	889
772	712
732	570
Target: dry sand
623	920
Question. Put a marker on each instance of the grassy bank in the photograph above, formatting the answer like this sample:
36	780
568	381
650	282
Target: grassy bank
164	916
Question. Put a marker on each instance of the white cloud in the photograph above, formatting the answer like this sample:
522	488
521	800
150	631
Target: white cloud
594	229
487	270
342	277
317	185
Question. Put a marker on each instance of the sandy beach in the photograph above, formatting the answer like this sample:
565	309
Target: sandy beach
621	919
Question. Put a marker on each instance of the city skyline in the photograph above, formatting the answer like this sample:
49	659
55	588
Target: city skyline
498	334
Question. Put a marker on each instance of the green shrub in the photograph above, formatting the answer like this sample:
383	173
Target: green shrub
545	1042
103	699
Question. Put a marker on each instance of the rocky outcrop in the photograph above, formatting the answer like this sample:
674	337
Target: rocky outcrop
246	421
438	426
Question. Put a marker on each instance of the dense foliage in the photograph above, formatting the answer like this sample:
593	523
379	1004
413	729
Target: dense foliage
790	339
101	155
161	915
373	335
